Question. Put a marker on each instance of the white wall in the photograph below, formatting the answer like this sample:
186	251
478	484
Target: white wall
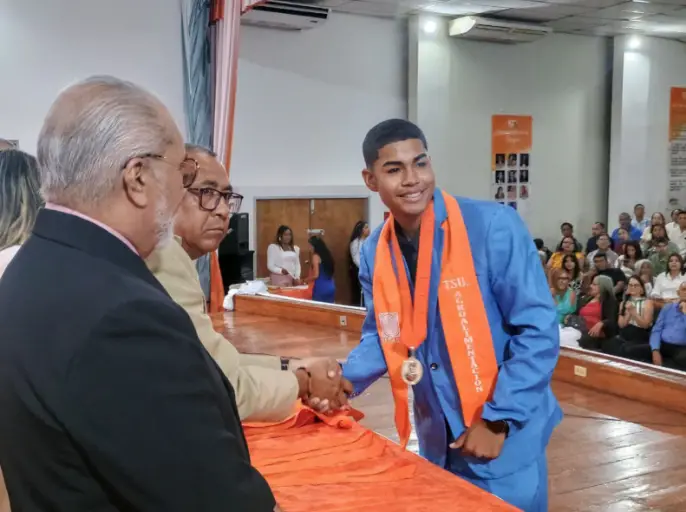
305	102
47	45
639	166
561	80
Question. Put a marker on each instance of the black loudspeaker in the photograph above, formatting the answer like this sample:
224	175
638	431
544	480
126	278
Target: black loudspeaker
236	268
238	239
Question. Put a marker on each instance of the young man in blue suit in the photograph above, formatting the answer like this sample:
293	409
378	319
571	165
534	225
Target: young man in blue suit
458	308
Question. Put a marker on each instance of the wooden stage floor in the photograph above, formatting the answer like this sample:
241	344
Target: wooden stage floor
609	454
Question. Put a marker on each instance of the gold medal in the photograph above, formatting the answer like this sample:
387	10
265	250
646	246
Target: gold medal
412	370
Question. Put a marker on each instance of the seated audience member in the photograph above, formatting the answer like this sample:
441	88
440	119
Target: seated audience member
564	296
639	221
655	219
634	322
625	224
678	233
598	312
19	201
631	253
622	238
668	337
322	272
644	270
673	220
283	259
109	401
602	268
263	391
658	232
566	246
597	229
667	283
566	229
604	242
570	264
659	255
543	251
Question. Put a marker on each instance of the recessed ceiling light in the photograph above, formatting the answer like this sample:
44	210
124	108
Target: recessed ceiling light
634	43
430	26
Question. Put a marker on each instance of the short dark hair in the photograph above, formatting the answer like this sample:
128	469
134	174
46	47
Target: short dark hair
600	256
660	240
387	132
566	224
638	205
601	224
681	212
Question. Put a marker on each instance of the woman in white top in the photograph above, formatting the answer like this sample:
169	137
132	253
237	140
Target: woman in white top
19	201
283	259
357	238
19	204
667	284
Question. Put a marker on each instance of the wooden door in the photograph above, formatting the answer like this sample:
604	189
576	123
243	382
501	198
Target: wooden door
272	213
337	217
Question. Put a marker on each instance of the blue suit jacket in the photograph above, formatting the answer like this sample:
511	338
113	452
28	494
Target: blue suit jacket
525	335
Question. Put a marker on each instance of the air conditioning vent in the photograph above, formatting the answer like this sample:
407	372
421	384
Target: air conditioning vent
286	15
496	31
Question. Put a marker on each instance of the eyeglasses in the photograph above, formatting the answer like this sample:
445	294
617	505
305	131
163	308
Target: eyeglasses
188	167
209	199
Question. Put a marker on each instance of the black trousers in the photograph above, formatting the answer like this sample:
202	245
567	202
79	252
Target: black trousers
632	342
674	356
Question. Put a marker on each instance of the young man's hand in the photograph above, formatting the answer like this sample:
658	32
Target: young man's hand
480	441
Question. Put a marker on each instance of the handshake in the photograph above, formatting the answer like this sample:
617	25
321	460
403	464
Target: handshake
321	384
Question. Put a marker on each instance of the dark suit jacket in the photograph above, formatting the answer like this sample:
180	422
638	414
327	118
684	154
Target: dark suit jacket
108	401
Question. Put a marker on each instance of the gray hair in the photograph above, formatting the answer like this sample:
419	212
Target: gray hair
19	196
197	148
92	130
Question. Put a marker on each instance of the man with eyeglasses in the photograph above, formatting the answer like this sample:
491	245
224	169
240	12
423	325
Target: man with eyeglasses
109	400
266	387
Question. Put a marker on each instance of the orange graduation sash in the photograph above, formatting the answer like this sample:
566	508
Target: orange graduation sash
402	322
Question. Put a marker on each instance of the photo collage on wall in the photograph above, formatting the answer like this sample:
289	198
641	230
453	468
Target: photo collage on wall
511	181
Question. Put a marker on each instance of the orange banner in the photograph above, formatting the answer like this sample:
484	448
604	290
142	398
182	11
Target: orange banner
511	135
511	142
677	113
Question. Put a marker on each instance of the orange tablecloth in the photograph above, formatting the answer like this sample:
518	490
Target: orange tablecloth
317	463
295	293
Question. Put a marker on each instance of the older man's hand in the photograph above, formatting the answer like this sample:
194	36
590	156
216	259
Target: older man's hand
327	390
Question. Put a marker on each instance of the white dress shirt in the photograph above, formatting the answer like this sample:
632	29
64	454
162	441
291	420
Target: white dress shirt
678	237
278	259
667	287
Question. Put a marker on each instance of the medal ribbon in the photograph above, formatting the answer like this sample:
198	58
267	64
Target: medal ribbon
402	323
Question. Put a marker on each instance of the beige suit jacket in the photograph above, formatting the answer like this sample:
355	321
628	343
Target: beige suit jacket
263	391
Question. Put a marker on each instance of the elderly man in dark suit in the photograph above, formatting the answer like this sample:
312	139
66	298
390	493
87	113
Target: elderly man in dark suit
109	401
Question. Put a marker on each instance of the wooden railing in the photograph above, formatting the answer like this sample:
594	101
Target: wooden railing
621	377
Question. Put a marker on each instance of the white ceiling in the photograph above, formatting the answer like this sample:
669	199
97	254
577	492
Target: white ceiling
663	18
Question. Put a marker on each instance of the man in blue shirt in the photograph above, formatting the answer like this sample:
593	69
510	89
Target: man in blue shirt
668	337
640	222
625	223
502	449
